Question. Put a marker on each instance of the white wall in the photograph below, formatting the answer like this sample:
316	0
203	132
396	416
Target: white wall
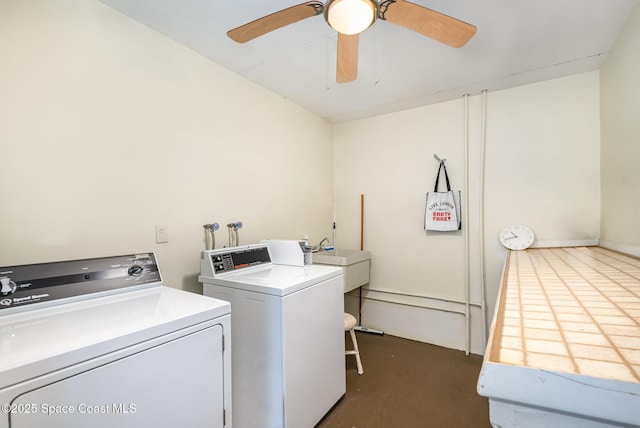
108	128
620	93
543	165
542	169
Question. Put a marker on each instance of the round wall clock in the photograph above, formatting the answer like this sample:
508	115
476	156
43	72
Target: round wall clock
517	237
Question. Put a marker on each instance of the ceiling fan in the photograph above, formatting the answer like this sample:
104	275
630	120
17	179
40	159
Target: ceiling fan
350	17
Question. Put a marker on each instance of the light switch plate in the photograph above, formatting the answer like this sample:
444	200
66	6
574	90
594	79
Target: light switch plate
162	234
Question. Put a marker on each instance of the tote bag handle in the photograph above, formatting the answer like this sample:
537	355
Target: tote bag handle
446	176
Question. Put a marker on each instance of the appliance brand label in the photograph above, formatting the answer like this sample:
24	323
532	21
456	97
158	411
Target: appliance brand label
25	299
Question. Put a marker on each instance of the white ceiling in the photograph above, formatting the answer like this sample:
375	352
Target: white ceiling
517	42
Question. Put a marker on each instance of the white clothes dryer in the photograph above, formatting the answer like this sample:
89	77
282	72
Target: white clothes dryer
287	334
102	343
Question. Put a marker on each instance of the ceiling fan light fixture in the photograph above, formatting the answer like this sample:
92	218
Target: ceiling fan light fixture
350	16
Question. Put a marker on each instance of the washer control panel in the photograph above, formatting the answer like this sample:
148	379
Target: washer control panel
26	285
217	262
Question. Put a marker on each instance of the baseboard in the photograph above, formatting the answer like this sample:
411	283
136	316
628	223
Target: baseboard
429	325
633	250
570	243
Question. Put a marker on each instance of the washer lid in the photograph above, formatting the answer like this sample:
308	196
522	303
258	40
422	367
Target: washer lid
278	280
39	341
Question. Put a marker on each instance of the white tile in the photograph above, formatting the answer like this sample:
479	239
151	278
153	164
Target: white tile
574	317
511	313
602	353
515	322
558	307
572	302
508	330
546	347
631	355
586	338
510	342
605	311
605	369
538	315
604	319
536	306
549	325
550	362
626	341
621	330
511	356
635	313
579	326
545	334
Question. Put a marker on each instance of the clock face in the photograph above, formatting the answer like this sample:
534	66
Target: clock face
517	237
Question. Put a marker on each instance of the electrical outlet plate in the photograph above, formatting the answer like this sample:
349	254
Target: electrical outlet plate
162	234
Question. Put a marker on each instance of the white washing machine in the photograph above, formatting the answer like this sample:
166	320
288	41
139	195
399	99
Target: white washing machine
102	343
287	334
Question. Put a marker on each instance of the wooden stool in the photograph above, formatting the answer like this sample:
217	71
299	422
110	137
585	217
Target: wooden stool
349	325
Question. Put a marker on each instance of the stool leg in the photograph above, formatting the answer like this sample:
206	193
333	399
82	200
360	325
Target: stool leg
356	351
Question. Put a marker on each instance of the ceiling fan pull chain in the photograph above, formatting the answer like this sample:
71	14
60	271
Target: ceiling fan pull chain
382	8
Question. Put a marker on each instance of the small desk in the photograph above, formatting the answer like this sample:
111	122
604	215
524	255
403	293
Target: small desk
564	349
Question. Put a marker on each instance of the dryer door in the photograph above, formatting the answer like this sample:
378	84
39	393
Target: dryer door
175	384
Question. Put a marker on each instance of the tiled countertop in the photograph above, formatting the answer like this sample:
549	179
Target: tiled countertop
564	348
573	310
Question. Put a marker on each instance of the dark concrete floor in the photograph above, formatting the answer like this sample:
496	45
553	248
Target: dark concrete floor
409	384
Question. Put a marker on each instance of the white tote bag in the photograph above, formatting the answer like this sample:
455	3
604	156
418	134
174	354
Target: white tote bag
442	211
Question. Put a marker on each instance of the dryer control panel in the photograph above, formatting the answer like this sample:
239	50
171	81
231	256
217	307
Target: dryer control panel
225	260
36	285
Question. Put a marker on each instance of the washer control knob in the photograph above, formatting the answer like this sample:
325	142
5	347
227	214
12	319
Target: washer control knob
135	270
7	286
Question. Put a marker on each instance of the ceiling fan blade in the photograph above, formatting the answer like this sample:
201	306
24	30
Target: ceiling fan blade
347	63
430	23
276	20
